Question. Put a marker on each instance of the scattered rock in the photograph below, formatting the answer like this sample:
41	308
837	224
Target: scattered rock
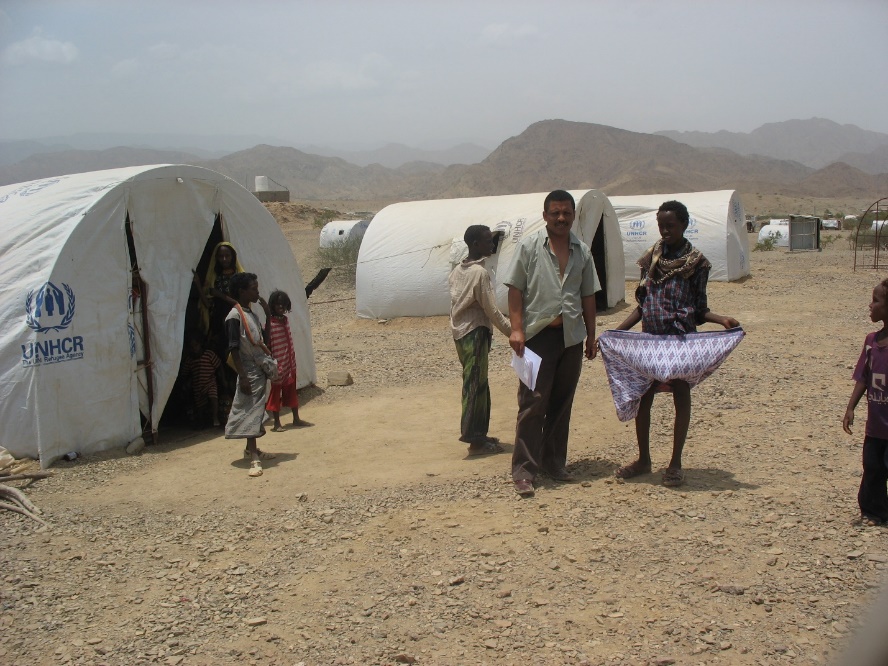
339	378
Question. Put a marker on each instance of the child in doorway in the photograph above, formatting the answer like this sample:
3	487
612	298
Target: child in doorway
203	370
280	341
869	375
671	300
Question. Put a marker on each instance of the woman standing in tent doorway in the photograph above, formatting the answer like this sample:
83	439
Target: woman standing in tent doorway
215	298
215	304
245	343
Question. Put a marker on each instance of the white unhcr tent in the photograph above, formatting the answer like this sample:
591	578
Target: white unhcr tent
88	357
410	248
342	231
776	229
717	228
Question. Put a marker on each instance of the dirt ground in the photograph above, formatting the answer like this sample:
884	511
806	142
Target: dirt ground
372	539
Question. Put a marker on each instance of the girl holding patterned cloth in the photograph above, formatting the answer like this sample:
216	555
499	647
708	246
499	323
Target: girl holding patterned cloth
282	393
668	355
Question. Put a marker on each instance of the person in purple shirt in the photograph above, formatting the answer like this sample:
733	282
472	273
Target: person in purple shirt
870	377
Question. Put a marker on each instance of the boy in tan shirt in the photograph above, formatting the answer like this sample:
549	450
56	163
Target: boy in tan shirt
472	311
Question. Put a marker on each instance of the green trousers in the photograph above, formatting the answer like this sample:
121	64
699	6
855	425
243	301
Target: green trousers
473	349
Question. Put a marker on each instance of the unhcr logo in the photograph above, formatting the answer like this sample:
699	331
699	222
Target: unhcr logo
49	309
49	305
29	189
635	230
518	229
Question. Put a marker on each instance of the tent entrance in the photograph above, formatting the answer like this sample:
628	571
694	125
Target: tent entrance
181	408
140	337
599	257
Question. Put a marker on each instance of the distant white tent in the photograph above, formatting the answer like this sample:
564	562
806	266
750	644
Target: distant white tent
776	229
410	248
717	228
76	331
341	231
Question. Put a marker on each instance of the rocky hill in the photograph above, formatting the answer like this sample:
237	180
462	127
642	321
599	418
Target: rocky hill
815	142
840	180
46	165
395	155
875	161
548	154
559	153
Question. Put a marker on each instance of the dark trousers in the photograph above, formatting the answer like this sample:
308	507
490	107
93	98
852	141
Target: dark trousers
544	413
873	494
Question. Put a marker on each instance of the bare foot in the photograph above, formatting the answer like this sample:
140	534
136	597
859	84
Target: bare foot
633	469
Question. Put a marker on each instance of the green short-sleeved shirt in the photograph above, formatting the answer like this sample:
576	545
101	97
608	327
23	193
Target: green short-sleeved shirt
534	272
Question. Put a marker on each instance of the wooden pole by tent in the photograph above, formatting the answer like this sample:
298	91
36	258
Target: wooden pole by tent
146	364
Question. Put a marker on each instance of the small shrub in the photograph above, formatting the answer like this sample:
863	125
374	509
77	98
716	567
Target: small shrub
766	244
826	241
865	238
342	258
324	216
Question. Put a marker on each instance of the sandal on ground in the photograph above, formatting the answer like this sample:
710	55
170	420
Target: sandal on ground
262	455
633	469
278	429
673	477
524	487
868	521
255	468
302	424
561	475
485	449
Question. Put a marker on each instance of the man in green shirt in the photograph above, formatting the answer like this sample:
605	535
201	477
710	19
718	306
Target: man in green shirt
552	284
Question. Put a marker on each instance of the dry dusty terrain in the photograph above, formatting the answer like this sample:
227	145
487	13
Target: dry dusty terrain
371	539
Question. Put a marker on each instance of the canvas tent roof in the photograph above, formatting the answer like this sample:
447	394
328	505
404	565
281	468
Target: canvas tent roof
717	228
71	338
410	248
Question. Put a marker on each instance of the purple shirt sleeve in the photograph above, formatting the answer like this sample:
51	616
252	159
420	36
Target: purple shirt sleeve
861	371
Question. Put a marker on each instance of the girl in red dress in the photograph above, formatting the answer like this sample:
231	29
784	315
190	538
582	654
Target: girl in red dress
280	342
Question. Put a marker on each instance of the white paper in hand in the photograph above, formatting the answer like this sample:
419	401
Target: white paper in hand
527	367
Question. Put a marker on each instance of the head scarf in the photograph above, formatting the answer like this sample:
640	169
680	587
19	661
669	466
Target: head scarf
659	269
210	280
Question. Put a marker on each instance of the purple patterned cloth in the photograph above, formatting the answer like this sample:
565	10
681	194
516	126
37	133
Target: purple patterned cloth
634	361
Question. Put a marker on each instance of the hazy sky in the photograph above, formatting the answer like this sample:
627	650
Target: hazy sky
434	73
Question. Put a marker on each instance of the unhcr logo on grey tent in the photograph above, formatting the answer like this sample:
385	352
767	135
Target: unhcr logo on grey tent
49	309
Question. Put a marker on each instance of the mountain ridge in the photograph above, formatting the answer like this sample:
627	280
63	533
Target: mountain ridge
549	154
815	142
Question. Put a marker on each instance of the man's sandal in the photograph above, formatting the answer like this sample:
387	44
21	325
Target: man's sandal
673	477
868	521
255	469
486	449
